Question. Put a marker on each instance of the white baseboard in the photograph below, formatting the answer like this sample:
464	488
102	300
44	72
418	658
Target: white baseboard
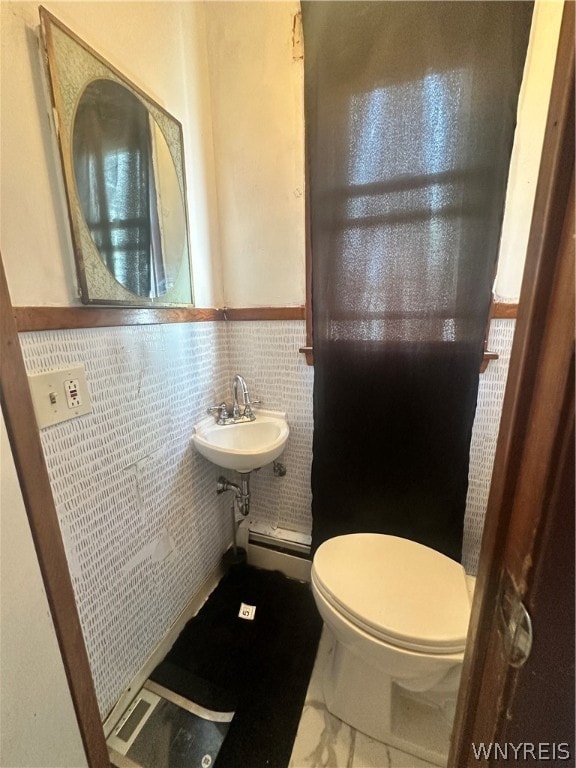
289	565
261	551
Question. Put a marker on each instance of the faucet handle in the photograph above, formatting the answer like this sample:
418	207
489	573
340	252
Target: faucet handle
221	411
248	408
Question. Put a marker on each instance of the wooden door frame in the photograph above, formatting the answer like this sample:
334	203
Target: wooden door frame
34	482
543	307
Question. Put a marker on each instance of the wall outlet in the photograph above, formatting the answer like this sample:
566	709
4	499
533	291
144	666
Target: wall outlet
59	395
72	390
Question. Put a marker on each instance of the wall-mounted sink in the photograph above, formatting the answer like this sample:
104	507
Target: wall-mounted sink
243	446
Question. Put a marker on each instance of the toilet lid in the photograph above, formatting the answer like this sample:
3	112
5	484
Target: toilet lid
395	589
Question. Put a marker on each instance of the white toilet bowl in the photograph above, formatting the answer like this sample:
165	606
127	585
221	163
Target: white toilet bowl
399	613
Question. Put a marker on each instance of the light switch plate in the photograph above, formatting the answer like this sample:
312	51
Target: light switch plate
59	395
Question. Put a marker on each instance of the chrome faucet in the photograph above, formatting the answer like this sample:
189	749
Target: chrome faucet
248	413
241	405
239	381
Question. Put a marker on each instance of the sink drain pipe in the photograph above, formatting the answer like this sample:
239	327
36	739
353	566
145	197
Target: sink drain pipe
241	493
241	498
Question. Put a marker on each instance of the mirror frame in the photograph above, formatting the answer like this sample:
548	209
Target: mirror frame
71	65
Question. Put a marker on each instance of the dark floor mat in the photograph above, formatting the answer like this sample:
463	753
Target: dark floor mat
260	668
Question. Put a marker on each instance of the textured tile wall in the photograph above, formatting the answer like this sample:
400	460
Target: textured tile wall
266	354
140	518
484	439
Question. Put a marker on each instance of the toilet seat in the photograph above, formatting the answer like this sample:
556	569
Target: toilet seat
397	590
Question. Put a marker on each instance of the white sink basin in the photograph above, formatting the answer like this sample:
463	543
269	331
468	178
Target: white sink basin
244	446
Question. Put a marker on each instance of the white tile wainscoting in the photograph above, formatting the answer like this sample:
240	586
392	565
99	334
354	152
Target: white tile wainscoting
141	522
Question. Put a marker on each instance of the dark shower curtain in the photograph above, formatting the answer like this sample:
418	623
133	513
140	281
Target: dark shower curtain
410	116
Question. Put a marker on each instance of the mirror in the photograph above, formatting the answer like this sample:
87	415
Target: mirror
128	189
122	157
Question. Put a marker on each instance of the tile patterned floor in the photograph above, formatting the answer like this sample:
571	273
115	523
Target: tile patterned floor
323	741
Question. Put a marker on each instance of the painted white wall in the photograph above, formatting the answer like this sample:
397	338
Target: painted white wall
38	725
527	149
257	91
227	72
155	45
201	174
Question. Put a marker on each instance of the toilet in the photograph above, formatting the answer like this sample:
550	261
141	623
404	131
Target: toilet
398	613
